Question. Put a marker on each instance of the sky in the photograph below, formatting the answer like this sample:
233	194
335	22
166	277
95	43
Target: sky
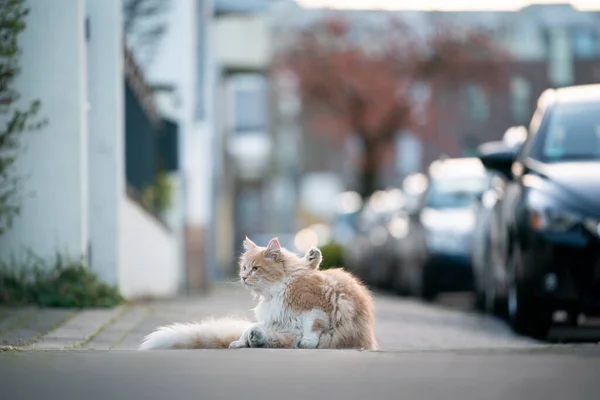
442	5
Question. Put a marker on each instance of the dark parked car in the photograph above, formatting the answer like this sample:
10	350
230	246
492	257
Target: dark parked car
487	266
549	237
483	239
437	248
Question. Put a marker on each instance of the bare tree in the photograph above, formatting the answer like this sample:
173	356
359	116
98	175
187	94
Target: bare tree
363	85
145	25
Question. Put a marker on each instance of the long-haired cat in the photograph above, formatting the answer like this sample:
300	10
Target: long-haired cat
299	306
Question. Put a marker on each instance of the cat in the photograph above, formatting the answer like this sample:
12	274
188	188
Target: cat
299	306
326	309
212	333
288	311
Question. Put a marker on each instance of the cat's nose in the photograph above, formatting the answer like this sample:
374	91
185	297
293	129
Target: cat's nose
244	278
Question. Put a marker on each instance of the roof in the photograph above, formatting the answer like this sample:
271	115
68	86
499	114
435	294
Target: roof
457	167
571	94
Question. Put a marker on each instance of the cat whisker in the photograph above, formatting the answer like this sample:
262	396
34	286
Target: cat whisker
233	281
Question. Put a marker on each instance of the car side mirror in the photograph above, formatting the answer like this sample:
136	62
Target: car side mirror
497	156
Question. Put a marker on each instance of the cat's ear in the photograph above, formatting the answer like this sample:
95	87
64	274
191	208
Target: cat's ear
274	249
249	244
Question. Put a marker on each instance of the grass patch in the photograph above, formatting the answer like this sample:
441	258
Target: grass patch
63	284
9	348
332	256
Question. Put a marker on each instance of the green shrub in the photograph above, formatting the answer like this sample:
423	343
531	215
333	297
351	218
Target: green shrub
64	284
332	256
159	196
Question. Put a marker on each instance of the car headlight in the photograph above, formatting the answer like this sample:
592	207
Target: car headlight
593	225
445	241
489	199
458	221
545	215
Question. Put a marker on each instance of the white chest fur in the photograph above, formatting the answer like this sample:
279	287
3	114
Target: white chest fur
272	311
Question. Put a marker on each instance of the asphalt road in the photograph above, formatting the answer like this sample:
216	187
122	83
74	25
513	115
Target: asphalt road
543	373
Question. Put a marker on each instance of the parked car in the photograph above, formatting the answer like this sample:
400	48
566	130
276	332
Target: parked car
486	268
483	238
549	237
358	248
370	252
437	247
413	189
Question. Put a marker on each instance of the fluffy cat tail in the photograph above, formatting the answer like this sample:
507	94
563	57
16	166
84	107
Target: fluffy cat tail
208	334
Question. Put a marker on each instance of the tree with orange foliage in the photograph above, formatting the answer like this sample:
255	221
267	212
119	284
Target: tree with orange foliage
364	82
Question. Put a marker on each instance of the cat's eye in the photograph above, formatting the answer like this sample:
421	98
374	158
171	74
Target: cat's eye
255	268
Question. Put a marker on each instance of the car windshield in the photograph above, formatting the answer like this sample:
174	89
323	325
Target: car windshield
573	133
455	192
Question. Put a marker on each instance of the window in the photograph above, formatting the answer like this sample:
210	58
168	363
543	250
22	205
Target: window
585	43
520	92
573	133
475	103
250	102
560	58
455	192
470	146
534	126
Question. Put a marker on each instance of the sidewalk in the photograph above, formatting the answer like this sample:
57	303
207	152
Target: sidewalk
120	328
401	324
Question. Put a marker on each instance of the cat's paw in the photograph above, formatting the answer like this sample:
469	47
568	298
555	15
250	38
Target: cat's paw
238	344
257	338
313	254
308	343
314	257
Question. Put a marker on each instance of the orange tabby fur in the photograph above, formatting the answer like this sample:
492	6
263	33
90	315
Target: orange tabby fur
299	306
289	292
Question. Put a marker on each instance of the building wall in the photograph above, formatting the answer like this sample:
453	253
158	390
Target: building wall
52	163
243	41
183	60
242	44
450	130
176	64
150	254
106	136
551	45
74	197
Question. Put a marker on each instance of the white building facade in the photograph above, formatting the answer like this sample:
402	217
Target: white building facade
76	201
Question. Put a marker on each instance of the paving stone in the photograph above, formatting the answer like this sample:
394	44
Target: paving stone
401	324
80	328
13	317
33	324
113	335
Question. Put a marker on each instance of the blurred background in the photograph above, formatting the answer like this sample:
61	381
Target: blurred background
171	129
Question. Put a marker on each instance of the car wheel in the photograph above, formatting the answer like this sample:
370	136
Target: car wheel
492	304
428	285
392	274
480	300
481	292
399	283
527	314
387	276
